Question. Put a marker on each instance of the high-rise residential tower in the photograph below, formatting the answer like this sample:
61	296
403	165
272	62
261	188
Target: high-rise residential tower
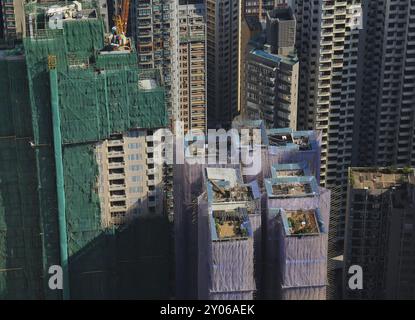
387	116
328	45
223	60
328	41
12	19
271	72
75	152
380	235
257	8
192	65
154	30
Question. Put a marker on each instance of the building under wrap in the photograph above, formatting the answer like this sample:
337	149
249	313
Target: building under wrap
60	99
214	267
281	146
229	235
189	184
296	231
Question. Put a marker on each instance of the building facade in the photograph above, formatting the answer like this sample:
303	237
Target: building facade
227	222
328	41
192	65
380	235
257	8
223	61
272	72
154	28
131	178
12	18
388	84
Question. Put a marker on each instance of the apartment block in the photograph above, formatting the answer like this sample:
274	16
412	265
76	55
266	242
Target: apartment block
223	61
257	8
154	28
329	38
380	234
387	59
12	19
271	88
192	65
228	219
296	235
66	108
328	49
271	72
131	178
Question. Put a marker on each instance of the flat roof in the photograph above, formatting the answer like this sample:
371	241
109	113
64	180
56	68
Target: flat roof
226	190
283	14
221	191
380	178
228	225
301	222
290	170
290	139
291	187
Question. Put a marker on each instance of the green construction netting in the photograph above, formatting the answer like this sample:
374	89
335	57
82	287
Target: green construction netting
20	228
94	105
98	95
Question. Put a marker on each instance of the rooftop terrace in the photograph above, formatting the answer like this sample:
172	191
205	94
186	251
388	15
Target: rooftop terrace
291	187
290	170
230	224
300	222
380	178
50	15
223	192
226	190
287	138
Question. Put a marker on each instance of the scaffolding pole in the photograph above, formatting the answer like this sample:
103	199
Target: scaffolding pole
57	144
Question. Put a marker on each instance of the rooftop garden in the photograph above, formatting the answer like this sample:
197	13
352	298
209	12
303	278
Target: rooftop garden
302	222
291	189
230	225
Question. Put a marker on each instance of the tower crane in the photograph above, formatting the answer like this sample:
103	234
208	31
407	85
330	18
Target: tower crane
119	39
121	20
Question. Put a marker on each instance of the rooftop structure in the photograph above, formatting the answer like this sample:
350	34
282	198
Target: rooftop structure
297	218
225	189
290	170
291	187
380	179
287	138
380	232
230	224
281	28
300	222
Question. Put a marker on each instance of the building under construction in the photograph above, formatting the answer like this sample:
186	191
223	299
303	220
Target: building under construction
228	236
230	239
296	235
280	146
67	103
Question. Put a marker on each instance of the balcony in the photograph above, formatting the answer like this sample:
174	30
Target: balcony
114	165
114	187
112	154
